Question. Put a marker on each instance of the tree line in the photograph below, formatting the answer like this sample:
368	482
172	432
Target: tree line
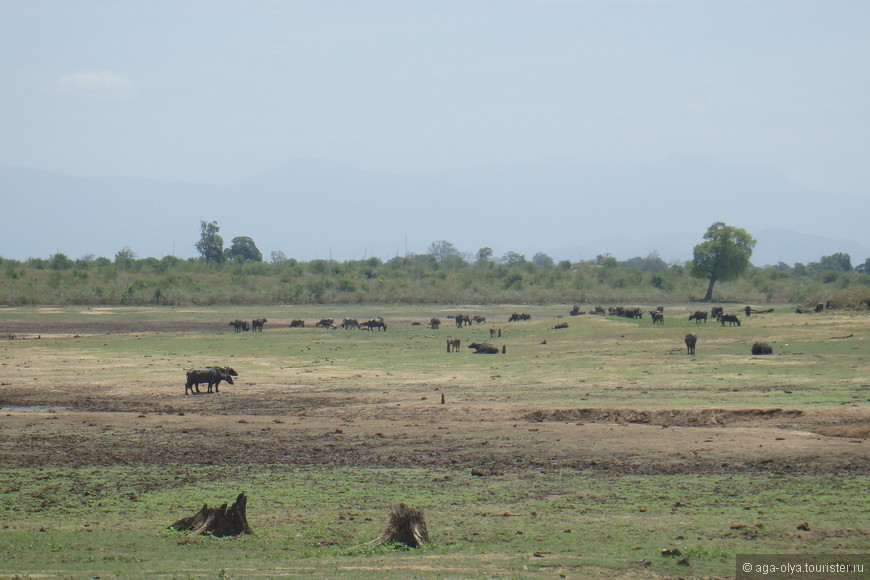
720	270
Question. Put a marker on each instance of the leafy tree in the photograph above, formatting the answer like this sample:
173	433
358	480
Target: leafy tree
841	262
278	257
724	255
542	259
442	250
210	244
244	249
484	255
513	259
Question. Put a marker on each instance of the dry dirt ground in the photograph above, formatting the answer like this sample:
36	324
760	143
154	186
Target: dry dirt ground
74	423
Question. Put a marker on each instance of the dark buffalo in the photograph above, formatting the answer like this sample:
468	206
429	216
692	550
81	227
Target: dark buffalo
239	325
453	345
257	325
349	323
698	316
376	322
461	320
519	316
435	323
657	317
691	340
479	319
483	348
297	323
716	311
731	319
209	375
326	323
761	348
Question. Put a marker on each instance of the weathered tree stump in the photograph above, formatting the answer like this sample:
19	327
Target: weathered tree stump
219	522
407	526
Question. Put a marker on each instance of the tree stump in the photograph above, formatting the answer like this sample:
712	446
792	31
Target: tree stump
407	526
219	522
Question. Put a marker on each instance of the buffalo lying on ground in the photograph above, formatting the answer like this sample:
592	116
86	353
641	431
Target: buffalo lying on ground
691	340
731	319
297	323
209	375
762	348
484	348
698	316
453	345
257	325
239	325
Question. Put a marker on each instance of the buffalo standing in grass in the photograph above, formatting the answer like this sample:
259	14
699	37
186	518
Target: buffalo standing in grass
239	325
698	316
297	323
731	319
257	325
453	345
209	375
376	322
691	340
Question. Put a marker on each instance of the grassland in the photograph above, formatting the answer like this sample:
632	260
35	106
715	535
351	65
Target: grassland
604	442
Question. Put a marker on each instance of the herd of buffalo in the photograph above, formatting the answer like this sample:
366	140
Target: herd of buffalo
212	376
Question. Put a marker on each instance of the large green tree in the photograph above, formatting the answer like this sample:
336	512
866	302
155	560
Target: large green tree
211	244
723	255
243	248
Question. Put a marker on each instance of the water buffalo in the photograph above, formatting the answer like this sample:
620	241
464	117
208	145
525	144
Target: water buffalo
257	325
435	323
326	323
479	319
483	348
493	332
761	348
698	316
453	345
691	340
657	317
461	320
731	319
297	323
376	322
519	316
210	375
239	325
349	323
716	311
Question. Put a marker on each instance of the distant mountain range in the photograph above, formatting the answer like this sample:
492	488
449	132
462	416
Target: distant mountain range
319	209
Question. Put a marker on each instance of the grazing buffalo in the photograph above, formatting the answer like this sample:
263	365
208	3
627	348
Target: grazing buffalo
657	317
731	319
373	323
761	348
519	316
698	316
328	323
435	323
297	323
349	323
453	345
716	311
257	325
461	320
483	348
210	375
239	325
691	340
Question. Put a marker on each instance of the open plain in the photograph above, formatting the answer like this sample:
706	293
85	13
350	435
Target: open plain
599	449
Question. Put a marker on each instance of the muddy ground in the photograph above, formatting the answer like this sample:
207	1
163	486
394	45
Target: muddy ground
74	423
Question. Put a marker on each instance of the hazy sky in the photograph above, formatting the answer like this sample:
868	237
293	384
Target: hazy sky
216	91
